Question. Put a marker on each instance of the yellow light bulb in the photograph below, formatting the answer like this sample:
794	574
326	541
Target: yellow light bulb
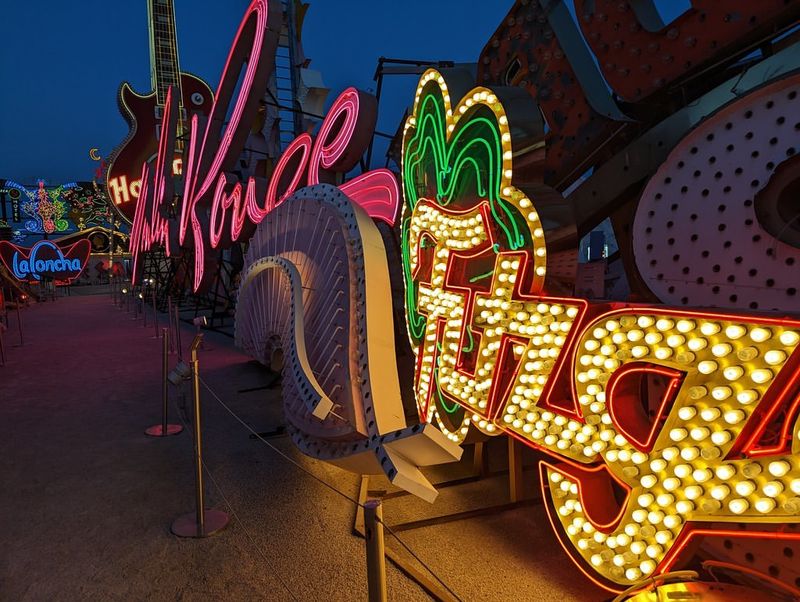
779	468
733	372
738	506
761	375
735	331
774	357
759	335
707	367
747	396
721	349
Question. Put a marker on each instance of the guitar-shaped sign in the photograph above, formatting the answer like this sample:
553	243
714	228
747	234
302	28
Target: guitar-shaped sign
143	113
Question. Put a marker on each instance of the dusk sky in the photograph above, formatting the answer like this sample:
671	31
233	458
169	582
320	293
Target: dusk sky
61	64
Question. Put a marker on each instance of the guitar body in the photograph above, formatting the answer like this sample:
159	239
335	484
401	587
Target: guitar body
141	144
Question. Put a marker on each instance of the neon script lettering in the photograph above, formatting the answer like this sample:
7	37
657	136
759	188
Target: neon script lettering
33	267
216	207
45	259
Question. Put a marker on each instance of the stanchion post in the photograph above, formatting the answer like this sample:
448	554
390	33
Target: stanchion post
164	429
178	343
155	313
19	323
201	522
376	559
169	321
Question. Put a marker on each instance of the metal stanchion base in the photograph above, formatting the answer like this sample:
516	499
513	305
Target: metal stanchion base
186	525
158	431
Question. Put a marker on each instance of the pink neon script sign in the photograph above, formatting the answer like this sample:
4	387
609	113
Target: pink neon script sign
219	209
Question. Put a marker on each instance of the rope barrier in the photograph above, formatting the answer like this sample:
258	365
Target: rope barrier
245	530
329	486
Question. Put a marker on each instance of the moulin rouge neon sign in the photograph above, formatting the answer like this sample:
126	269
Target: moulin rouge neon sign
45	260
217	210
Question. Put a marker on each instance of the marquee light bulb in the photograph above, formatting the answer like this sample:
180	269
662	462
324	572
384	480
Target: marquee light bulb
774	357
721	349
720	492
651	338
707	366
738	506
765	505
701	475
663	353
670	453
789	338
779	468
721	437
693	492
685	326
773	488
678	434
709	328
698	392
735	331
697	344
733	372
734	416
745	488
747	396
761	375
675	340
721	393
725	472
709	414
759	334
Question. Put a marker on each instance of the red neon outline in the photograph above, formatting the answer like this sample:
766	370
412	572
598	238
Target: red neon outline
774	399
74	251
326	153
377	192
676	380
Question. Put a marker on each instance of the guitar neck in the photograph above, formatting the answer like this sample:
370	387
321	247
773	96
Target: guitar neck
164	66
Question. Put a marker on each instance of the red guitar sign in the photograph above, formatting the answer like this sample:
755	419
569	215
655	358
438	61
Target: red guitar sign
144	112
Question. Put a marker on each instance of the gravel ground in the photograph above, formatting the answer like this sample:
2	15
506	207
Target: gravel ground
87	500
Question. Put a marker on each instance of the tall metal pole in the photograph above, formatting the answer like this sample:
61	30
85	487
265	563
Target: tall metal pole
376	560
155	314
19	323
201	522
164	429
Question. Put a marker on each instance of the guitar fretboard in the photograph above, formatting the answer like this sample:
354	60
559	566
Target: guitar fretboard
164	50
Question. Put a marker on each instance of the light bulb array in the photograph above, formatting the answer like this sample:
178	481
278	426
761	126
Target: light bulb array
497	350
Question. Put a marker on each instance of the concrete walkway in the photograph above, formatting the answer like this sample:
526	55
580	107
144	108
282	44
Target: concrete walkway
87	499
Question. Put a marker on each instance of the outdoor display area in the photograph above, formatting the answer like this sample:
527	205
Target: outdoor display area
437	332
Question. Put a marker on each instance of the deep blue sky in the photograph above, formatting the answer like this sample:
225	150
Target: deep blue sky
61	63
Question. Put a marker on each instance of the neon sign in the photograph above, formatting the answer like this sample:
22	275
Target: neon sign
45	260
216	207
660	421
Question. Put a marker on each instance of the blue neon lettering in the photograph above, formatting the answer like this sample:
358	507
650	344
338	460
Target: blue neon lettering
33	267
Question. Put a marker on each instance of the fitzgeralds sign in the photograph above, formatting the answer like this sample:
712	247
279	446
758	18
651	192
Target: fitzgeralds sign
45	260
217	210
664	425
